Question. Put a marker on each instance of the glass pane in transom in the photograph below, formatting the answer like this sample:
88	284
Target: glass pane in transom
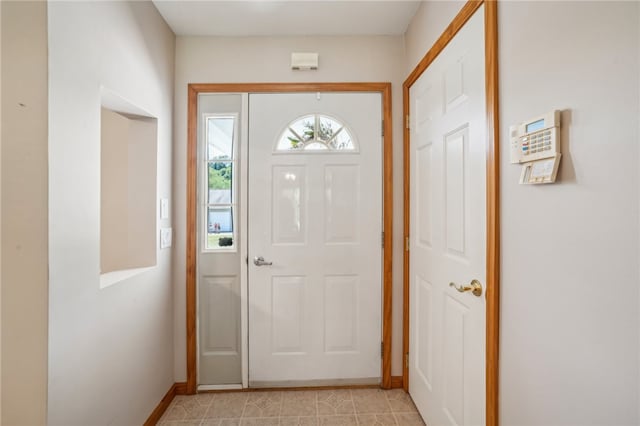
342	141
315	146
327	128
304	128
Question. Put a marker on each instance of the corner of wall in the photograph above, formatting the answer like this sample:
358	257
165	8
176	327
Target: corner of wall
638	115
0	210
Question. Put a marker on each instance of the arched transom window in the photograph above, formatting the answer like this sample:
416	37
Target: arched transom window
316	132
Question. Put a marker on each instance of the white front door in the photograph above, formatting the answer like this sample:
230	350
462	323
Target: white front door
448	232
315	216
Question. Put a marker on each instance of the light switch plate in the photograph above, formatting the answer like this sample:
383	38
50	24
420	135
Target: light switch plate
164	208
165	237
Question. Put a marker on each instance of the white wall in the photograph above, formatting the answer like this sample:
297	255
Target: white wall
569	324
24	213
267	59
111	350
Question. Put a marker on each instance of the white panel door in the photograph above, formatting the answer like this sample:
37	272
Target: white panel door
316	215
448	233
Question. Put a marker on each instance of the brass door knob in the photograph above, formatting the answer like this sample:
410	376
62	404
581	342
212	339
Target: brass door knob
474	287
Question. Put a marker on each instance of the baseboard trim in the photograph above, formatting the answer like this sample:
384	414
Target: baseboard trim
397	382
181	388
175	389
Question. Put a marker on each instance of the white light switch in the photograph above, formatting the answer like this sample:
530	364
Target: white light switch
165	237
164	208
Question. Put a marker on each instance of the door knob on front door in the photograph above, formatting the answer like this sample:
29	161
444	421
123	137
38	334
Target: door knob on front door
259	261
474	287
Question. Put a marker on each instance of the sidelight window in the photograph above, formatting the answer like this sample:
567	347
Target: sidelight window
220	184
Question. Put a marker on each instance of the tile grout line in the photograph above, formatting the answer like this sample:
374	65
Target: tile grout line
280	408
207	410
353	404
393	414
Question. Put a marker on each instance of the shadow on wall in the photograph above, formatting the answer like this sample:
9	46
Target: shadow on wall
567	172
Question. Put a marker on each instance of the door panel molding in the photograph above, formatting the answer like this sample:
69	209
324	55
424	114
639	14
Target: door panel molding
492	196
387	198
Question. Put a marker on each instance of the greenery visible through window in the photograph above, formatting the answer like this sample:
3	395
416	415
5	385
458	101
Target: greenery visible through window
220	175
220	204
316	132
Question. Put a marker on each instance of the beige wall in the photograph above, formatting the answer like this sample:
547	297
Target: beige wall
0	213
111	349
114	147
267	59
569	324
24	213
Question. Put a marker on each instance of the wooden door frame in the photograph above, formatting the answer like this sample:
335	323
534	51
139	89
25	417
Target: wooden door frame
492	196
387	200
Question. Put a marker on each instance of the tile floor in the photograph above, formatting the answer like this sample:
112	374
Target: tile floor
370	407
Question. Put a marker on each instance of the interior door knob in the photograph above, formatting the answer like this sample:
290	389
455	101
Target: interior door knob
474	287
259	261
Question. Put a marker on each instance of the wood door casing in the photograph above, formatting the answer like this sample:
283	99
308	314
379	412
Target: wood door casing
193	90
493	192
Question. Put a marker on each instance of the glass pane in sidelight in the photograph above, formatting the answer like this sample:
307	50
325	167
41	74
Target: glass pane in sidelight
220	182
220	138
219	227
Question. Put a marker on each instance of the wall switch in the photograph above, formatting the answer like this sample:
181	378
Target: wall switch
165	237
164	208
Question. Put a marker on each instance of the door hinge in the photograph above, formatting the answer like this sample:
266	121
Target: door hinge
408	122
246	260
382	129
381	349
382	239
406	243
406	360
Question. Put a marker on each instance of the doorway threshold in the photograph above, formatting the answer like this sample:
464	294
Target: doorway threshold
219	387
366	381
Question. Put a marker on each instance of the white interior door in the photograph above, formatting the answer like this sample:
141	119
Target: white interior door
448	232
315	215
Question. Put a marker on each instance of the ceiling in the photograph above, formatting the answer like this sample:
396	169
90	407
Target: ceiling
285	18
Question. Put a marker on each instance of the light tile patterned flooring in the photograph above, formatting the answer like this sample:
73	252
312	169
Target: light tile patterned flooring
358	407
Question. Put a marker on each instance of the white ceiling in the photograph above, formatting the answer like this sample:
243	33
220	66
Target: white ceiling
303	17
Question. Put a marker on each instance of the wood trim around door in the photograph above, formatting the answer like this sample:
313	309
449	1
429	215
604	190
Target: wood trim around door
492	196
387	210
